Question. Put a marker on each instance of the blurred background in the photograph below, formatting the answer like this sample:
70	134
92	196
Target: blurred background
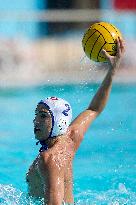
40	40
41	55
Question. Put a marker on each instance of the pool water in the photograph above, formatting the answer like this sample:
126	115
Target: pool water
105	164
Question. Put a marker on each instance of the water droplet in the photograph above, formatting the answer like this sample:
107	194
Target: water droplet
122	188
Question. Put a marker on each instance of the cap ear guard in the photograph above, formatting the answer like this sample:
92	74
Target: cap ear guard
62	126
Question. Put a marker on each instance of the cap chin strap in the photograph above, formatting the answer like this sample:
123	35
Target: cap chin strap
44	143
44	146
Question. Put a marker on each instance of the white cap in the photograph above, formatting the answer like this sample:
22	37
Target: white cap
61	113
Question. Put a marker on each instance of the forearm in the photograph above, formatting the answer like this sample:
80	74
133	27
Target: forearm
56	194
100	99
53	201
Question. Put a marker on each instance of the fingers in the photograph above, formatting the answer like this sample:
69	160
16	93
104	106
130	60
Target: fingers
120	47
105	54
120	50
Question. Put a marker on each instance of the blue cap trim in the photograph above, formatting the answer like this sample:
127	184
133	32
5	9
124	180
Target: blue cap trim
44	146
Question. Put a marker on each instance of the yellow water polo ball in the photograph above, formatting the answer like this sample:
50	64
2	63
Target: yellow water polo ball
100	36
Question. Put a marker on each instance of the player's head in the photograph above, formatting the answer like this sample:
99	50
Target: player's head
53	116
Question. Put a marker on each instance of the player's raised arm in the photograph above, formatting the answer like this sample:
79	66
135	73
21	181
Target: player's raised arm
100	99
82	122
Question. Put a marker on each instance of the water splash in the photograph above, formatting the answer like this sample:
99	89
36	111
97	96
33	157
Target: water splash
120	196
122	188
12	196
82	59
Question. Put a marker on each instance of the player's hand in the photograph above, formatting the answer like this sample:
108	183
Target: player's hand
114	61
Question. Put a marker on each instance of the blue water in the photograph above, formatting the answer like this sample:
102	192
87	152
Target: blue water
105	164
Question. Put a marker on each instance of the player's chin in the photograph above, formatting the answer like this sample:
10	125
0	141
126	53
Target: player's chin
41	136
38	135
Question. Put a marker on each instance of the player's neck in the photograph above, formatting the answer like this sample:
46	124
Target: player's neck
52	140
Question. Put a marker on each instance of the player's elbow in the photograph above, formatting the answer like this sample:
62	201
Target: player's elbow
96	109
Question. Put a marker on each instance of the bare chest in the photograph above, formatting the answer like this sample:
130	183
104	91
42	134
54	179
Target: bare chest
60	157
34	178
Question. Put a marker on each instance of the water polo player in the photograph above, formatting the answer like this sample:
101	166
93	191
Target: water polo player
50	175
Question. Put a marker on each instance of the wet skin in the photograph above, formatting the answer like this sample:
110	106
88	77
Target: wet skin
50	175
51	167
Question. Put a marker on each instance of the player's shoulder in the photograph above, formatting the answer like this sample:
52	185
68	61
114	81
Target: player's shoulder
48	156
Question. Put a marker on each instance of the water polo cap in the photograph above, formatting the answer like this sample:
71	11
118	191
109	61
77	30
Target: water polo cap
61	114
